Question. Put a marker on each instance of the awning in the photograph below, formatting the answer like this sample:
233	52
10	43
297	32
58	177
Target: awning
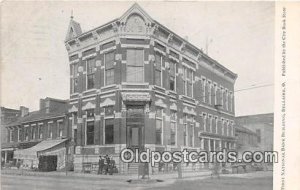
32	153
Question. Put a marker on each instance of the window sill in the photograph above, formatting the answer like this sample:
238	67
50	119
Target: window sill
90	90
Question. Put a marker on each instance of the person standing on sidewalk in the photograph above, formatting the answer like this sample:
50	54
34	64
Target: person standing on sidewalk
101	165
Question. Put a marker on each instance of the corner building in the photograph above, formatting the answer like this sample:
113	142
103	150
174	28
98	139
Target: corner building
134	83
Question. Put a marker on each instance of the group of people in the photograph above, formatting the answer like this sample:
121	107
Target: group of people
106	165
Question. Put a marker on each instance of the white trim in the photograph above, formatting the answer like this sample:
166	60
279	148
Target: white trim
104	51
88	105
134	46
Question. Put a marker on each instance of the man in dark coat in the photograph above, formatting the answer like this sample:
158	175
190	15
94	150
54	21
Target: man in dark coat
106	164
101	165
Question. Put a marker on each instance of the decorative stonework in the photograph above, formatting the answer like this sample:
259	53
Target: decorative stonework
73	109
107	102
160	103
173	107
98	63
118	57
138	96
89	105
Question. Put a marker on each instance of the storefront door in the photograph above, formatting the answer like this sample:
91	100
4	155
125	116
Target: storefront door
135	127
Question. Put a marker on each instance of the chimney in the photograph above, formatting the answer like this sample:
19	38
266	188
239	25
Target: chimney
186	38
24	111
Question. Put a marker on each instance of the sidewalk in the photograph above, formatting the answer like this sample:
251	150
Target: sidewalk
163	176
125	177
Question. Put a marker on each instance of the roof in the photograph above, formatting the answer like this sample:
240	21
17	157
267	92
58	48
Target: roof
242	129
267	118
37	116
136	6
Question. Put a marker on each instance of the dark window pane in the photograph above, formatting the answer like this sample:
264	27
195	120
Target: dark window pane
158	131
158	77
90	66
172	83
109	131
90	133
90	81
109	76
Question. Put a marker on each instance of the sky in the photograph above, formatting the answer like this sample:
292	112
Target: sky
34	61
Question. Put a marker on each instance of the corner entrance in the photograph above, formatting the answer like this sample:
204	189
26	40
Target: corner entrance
135	119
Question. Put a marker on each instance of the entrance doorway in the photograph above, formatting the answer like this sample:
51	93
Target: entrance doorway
135	118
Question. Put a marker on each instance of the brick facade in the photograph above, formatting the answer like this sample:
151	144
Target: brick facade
199	100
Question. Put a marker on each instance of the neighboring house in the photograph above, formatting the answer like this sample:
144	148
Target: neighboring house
262	125
42	132
135	83
246	140
7	115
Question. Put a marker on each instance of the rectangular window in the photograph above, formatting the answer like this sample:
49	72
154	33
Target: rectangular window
40	131
172	82
90	133
74	78
135	65
185	137
173	128
109	59
215	89
204	122
203	86
26	133
221	97
109	131
32	136
173	133
74	118
75	136
213	126
189	83
60	128
49	130
209	91
222	126
90	73
226	99
19	134
191	135
209	123
184	70
158	127
158	66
